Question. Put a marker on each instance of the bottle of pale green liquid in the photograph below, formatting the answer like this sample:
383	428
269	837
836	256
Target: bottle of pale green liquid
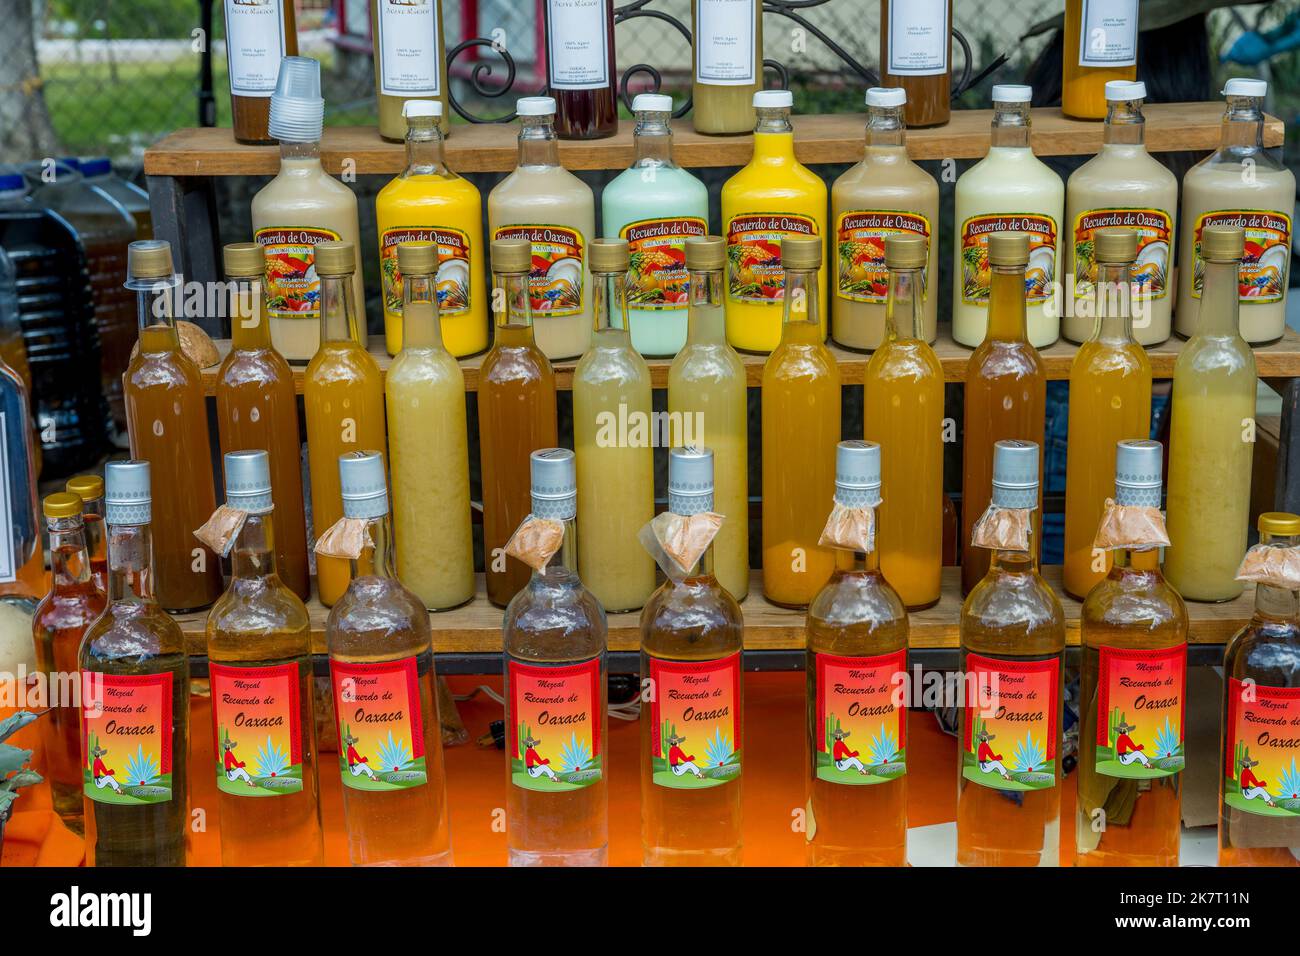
656	206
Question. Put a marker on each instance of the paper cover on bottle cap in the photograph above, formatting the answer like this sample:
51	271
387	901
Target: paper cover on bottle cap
1015	474
417	258
243	259
607	255
554	476
61	504
690	480
248	481
297	112
535	106
86	487
422	109
149	259
335	258
1008	249
1279	524
512	255
801	252
1138	466
1118	91
1222	243
363	485
704	253
1245	86
652	103
857	474
887	96
773	99
1012	93
126	492
906	250
1115	245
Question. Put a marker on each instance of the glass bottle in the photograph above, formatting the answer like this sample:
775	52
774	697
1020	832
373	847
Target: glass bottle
90	489
613	421
1100	44
136	712
554	636
903	413
1133	628
381	662
1012	658
856	665
580	70
1212	413
258	36
516	416
728	64
691	632
22	561
260	671
915	46
410	61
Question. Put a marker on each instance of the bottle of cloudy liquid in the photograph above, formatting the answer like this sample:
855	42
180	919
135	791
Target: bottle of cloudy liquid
728	50
258	36
915	42
410	60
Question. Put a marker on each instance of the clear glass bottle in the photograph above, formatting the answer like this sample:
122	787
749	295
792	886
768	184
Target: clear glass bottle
727	43
915	54
410	61
580	69
1100	44
258	36
90	489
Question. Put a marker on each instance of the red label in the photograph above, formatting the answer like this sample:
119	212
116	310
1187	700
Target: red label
257	728
127	740
381	726
754	270
1141	699
554	726
1264	261
556	282
860	272
1151	269
657	276
1011	735
695	722
1039	274
861	728
452	280
292	287
1260	765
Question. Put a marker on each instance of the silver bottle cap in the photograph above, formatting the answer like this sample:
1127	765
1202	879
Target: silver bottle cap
127	499
248	481
363	485
1138	473
554	476
690	480
857	474
1015	474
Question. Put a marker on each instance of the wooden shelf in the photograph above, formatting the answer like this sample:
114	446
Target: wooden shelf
836	138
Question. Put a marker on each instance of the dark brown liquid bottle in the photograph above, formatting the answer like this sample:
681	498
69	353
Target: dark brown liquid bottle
915	53
259	33
580	67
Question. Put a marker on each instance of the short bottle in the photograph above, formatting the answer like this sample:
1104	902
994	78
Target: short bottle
915	54
258	37
410	61
90	489
727	43
580	68
1100	44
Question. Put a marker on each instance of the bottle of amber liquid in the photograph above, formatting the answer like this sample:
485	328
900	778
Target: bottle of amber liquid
1132	694
90	489
167	417
516	416
259	666
915	42
258	36
257	408
580	67
856	659
1012	655
381	662
136	719
1101	38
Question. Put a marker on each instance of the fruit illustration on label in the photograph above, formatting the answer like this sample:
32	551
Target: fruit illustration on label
754	272
1264	260
861	275
1041	271
1150	270
657	276
292	286
452	280
555	283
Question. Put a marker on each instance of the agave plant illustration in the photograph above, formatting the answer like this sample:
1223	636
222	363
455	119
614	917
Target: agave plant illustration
575	755
718	749
393	753
1288	787
1028	755
141	768
1167	742
271	760
883	747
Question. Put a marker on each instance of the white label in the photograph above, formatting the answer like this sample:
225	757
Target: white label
254	45
725	41
918	37
8	567
409	46
1108	33
577	44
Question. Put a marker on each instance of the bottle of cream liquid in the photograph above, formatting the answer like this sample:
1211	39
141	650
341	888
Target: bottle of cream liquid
410	61
728	48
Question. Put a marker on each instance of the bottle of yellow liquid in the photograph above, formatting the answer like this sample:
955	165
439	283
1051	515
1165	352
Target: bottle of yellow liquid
801	427
428	446
428	202
1101	38
772	198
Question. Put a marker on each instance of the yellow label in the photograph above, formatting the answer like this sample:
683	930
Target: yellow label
1150	271
452	280
1041	272
754	271
657	276
555	284
860	273
292	286
1264	262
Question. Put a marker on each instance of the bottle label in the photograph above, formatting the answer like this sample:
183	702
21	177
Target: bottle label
292	287
861	728
555	285
1261	768
1141	697
554	726
452	280
1151	270
1267	255
918	37
1010	736
1108	32
860	273
126	737
257	720
8	558
695	722
577	44
1040	274
726	35
657	276
410	43
254	45
754	272
381	726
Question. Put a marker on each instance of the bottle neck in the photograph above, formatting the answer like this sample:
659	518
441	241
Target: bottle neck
566	558
377	558
538	144
1007	320
130	564
1018	562
1125	125
510	301
421	323
337	310
248	329
652	140
705	319
424	151
1010	126
1242	130
300	155
905	307
155	318
609	306
69	553
1113	303
885	127
773	135
1274	603
253	557
800	307
860	562
1220	306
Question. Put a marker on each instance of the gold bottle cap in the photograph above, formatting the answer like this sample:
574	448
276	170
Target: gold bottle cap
1280	524
801	252
1222	243
705	253
904	251
417	258
335	259
512	255
1115	245
149	259
86	487
1009	249
243	259
62	504
608	255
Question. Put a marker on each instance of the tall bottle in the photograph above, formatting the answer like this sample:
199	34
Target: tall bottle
1110	400
428	445
427	202
22	560
554	210
260	670
90	489
1132	694
1239	184
1006	392
915	43
258	36
1211	447
257	408
1123	186
903	413
1259	793
1100	45
136	721
60	622
691	758
856	662
1009	190
613	436
554	634
707	404
410	61
167	418
516	416
1012	655
580	69
656	206
884	195
300	208
381	663
773	198
343	399
727	41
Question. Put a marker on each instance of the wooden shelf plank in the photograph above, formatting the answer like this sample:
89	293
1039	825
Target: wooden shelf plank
834	138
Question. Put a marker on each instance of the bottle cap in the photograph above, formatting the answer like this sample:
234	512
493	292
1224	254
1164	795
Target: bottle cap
1009	249
801	252
690	480
86	487
243	259
126	492
906	251
554	483
773	99
652	103
416	258
297	110
1244	86
535	106
1279	524
608	255
1115	245
248	481
705	253
1138	472
511	256
887	97
857	474
335	258
1012	93
1118	91
1015	474
421	109
1222	243
62	504
362	484
149	259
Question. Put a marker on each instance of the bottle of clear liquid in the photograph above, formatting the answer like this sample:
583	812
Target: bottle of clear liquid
557	811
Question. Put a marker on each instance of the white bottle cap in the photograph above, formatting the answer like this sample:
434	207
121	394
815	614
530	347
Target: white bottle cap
422	108
535	106
297	109
1120	90
652	103
1012	93
773	99
1243	86
886	96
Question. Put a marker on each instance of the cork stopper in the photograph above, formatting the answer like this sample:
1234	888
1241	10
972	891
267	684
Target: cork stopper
554	476
905	251
1115	245
149	259
1009	249
62	504
1222	243
417	258
242	259
511	256
705	253
690	480
608	256
248	481
1279	524
86	487
801	252
335	258
127	495
362	484
857	474
1015	474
